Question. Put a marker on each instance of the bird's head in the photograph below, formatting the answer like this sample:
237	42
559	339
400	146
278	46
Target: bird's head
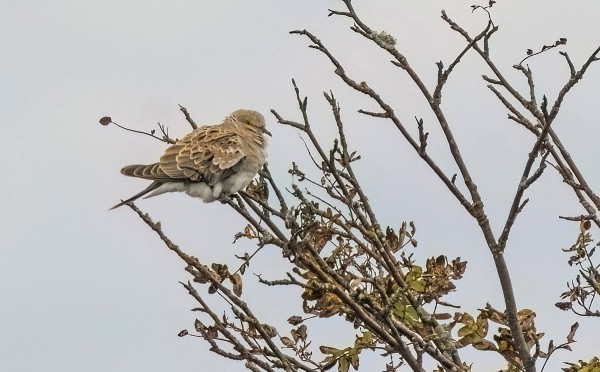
251	118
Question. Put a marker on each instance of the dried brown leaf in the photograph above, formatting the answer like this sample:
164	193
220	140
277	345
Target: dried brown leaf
287	342
295	320
105	120
571	335
236	280
221	270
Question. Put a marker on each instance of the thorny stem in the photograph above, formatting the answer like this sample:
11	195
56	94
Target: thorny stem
524	183
364	88
245	353
402	62
561	166
192	261
382	244
274	187
370	225
532	108
545	119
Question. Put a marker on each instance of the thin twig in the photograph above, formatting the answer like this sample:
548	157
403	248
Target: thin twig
165	137
188	117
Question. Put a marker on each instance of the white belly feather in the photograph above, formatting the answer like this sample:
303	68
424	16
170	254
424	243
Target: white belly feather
236	182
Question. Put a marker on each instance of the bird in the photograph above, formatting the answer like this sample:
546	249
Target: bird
212	162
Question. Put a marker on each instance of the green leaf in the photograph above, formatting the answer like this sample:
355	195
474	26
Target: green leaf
330	350
343	364
353	355
405	313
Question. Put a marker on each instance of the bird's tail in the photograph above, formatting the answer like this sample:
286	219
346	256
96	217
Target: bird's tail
149	171
153	186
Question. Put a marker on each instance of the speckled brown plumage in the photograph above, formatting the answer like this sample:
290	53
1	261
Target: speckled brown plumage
211	162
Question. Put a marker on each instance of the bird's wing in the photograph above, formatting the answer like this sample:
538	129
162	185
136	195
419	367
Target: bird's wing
208	154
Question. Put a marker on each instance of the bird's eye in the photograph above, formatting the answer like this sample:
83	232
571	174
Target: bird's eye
249	122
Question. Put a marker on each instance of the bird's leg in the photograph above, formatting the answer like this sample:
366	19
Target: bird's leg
225	198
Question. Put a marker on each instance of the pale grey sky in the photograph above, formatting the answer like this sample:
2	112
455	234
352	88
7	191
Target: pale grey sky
87	289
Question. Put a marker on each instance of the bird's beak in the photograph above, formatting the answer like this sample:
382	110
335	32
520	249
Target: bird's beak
265	131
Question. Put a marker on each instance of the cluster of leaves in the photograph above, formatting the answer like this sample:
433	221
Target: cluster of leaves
582	290
475	330
348	266
349	356
592	366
